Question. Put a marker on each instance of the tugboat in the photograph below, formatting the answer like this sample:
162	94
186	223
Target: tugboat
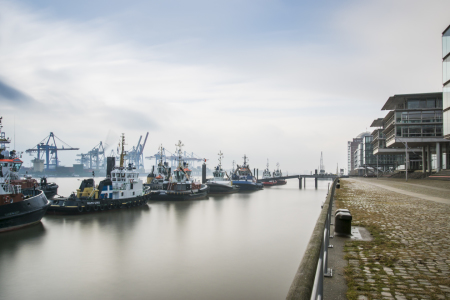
21	203
220	185
278	173
155	181
180	185
122	188
50	189
266	175
244	178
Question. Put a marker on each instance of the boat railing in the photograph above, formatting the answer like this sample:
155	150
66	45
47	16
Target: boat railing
308	281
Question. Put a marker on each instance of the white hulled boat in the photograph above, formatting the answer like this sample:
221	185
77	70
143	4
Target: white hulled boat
219	184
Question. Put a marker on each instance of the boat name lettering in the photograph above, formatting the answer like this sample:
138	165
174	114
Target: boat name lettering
12	213
94	202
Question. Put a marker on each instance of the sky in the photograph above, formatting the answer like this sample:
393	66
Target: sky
276	80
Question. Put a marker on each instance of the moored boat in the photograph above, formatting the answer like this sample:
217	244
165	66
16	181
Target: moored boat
219	184
180	186
278	173
156	178
266	175
244	178
18	207
121	189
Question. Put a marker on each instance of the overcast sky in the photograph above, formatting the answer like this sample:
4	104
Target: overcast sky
277	80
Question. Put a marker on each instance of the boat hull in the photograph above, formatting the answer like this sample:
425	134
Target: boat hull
69	205
281	181
217	188
24	213
248	185
162	195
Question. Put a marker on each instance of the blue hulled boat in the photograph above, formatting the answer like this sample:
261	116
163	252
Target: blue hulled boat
244	178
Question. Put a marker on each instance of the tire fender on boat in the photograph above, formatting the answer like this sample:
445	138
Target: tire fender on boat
80	208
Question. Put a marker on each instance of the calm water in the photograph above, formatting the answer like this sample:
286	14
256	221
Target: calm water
240	246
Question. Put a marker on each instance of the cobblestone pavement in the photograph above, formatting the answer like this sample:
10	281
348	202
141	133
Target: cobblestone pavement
409	257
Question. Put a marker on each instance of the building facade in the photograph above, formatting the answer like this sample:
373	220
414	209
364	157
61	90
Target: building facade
351	148
414	126
446	81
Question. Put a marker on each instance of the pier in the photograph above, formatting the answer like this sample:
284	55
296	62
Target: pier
302	178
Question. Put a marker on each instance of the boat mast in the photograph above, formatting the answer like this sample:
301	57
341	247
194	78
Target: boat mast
160	155
220	159
179	145
245	160
122	154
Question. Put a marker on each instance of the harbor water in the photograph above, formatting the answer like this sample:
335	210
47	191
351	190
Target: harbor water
238	246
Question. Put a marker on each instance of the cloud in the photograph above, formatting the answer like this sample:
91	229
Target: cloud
10	94
253	81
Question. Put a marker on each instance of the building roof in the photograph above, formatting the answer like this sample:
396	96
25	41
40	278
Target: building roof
392	102
377	122
363	134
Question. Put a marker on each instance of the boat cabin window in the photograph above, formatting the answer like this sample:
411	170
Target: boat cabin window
16	167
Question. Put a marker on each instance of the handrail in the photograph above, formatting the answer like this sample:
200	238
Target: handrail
305	282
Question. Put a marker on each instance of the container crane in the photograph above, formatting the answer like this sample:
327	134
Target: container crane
48	146
136	155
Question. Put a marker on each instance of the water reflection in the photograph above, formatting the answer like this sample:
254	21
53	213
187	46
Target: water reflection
238	246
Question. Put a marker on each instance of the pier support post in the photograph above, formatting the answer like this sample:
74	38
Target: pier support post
315	179
300	182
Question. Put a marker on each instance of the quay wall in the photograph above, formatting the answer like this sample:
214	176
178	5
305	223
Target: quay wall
303	284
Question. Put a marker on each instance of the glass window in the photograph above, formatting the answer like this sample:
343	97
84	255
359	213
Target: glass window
398	116
438	130
404	117
405	131
423	104
431	103
428	116
415	131
428	130
413	104
446	70
399	131
414	117
445	43
438	117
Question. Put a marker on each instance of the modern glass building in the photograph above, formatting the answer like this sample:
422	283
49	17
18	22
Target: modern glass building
414	121
446	80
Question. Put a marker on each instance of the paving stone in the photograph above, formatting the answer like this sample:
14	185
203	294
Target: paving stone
422	258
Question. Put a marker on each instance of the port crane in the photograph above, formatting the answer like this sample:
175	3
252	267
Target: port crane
48	147
136	155
95	158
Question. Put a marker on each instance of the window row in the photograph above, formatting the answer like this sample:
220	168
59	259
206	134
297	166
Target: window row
434	116
424	103
419	131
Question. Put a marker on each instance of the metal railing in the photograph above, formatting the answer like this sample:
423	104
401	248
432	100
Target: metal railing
308	281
